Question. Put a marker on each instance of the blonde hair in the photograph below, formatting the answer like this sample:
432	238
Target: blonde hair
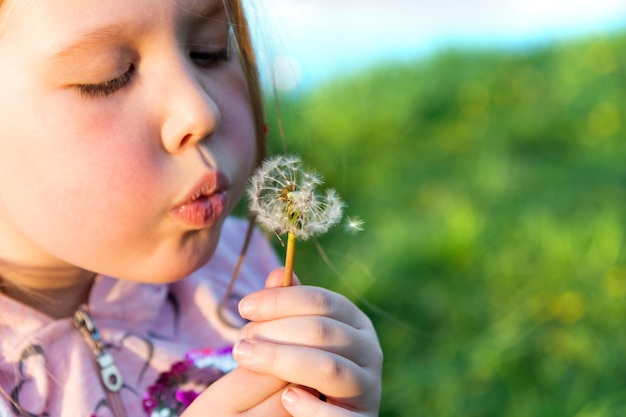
243	40
245	49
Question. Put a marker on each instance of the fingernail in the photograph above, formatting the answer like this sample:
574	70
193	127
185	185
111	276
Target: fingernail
290	396
247	307
243	349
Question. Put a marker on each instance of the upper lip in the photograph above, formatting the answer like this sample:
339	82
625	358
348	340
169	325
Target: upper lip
210	183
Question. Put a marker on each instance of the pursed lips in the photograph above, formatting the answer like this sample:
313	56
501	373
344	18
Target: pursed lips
206	201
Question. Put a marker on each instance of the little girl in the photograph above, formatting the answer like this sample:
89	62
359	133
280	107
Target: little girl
128	129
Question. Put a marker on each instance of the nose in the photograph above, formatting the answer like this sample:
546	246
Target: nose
191	113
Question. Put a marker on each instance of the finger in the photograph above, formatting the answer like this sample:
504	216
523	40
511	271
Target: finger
317	331
273	303
334	375
236	392
271	406
301	403
275	279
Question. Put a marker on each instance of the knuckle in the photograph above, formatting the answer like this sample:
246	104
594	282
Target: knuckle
322	331
332	370
322	301
378	355
367	322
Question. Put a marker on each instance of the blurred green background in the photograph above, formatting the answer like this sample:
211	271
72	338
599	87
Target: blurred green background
492	187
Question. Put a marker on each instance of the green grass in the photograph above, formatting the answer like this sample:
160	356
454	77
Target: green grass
493	189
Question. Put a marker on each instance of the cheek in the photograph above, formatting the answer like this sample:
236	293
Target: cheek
86	182
75	176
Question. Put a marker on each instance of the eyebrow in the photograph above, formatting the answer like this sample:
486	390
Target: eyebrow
115	32
207	11
97	36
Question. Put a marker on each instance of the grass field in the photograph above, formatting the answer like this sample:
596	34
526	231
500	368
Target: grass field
493	189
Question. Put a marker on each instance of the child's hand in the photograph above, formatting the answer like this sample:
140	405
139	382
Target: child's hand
312	338
240	393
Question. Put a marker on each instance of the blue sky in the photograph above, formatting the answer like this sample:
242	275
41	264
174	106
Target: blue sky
312	40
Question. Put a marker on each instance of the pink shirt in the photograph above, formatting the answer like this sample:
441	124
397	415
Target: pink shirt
48	367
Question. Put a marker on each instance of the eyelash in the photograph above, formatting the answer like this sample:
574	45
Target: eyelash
210	59
107	88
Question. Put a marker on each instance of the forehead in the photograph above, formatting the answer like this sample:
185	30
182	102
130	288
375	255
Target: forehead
68	17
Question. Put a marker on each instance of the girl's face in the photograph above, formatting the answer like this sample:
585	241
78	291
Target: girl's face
126	134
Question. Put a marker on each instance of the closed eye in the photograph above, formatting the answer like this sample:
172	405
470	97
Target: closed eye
210	59
107	88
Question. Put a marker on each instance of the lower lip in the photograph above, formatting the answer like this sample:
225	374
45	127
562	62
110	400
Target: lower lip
203	212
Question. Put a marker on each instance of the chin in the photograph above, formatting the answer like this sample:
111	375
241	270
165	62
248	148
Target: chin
168	268
182	268
167	262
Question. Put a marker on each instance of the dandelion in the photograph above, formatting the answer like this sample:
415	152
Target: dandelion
283	199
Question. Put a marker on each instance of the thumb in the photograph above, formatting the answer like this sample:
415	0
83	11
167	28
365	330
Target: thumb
275	279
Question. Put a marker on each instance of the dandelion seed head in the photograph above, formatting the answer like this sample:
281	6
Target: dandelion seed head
311	179
283	198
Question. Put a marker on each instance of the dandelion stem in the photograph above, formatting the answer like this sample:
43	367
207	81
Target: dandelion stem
291	250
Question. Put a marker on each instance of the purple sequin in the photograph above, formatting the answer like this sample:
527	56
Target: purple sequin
176	389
